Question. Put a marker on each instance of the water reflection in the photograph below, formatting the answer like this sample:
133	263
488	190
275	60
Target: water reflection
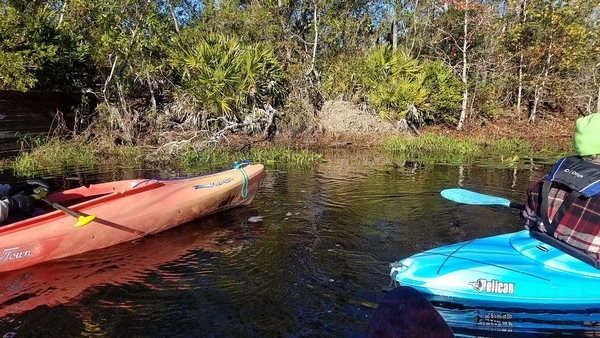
139	270
492	323
315	266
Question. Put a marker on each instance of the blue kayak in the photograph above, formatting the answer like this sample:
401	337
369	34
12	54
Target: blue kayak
506	271
499	281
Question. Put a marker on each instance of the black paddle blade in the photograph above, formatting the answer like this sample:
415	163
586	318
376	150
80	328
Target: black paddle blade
405	312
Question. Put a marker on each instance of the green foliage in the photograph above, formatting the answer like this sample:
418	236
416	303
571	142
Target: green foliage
555	39
342	78
25	165
430	143
489	101
505	146
393	82
444	94
35	52
286	158
224	76
23	45
136	55
52	154
252	21
124	40
276	157
346	26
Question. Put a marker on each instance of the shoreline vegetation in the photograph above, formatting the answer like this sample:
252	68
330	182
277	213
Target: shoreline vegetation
55	154
182	81
50	154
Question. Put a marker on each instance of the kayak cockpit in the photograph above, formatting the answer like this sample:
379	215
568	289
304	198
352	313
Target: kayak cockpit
95	191
553	253
81	198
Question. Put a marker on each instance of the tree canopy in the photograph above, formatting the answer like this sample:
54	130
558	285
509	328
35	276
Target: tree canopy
434	59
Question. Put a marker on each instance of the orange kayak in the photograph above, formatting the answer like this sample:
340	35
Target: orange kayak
66	280
124	211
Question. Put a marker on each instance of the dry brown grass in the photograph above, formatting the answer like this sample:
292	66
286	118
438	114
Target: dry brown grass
338	123
340	117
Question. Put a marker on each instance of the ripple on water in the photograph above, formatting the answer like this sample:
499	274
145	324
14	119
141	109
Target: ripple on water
314	265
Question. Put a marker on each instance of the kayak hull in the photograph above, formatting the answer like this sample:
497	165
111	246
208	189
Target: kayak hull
507	271
505	283
125	211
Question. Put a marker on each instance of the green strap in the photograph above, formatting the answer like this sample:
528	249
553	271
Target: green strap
239	167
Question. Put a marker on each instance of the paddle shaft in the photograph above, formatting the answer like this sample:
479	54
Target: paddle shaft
82	219
515	205
61	208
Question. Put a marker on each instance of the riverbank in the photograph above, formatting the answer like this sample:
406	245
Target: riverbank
549	133
340	124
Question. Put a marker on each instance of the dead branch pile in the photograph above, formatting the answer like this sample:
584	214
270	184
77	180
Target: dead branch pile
184	127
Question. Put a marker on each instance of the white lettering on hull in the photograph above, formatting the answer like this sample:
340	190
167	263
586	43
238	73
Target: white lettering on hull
213	184
493	286
13	253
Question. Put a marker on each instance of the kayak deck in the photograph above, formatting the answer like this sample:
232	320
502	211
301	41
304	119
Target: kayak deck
510	271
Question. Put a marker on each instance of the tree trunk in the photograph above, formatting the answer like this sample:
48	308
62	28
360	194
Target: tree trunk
315	43
536	99
151	88
63	8
598	84
523	16
520	89
394	28
463	111
414	38
540	86
175	22
598	101
394	33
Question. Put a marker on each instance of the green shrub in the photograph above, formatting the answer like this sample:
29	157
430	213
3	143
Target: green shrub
393	82
444	94
224	76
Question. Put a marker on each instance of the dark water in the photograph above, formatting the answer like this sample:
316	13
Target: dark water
313	268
